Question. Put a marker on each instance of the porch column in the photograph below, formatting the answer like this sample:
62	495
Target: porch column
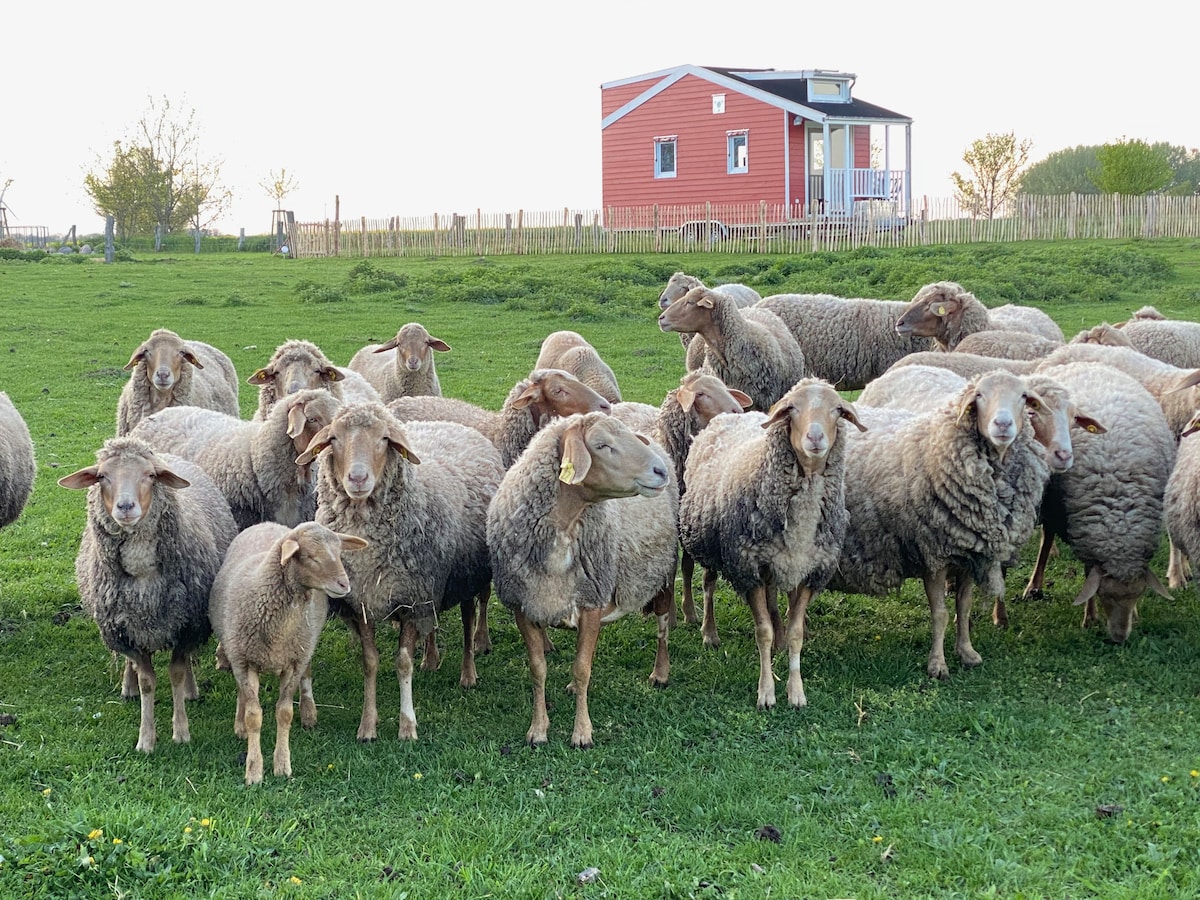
825	164
908	170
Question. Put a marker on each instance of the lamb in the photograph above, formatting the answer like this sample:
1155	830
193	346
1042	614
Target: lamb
253	463
562	556
1103	334
157	529
1173	341
570	352
1181	504
751	350
402	367
17	465
766	508
954	492
1007	344
419	493
268	604
1109	506
847	342
968	365
160	379
947	313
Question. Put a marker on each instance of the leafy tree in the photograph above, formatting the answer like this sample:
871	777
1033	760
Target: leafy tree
1062	172
996	161
1131	167
278	185
1185	164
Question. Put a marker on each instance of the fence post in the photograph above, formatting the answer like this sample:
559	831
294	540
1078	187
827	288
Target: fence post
110	249
363	221
657	231
578	229
520	231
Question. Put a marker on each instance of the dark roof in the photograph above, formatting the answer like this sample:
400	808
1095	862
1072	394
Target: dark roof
795	90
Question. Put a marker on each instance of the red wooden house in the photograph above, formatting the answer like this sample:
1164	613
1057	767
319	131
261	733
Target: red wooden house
798	140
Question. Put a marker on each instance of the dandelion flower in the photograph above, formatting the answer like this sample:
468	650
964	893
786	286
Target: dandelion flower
206	823
877	840
1194	773
1165	779
417	776
46	792
295	880
187	829
95	833
118	841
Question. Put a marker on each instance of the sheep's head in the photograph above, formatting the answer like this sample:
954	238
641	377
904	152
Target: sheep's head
1103	333
1000	403
1148	313
315	553
603	459
162	357
297	366
307	412
126	470
935	311
1117	598
691	313
360	440
811	411
707	396
414	347
1052	415
554	392
677	285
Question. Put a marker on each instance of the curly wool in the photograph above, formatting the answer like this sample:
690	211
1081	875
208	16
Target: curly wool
1007	344
968	365
1170	340
570	351
300	355
213	387
17	466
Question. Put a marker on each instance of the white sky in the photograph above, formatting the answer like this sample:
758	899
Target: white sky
451	106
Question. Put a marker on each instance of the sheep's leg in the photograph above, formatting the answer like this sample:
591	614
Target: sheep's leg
483	640
143	666
798	600
963	596
764	637
239	716
664	605
289	682
536	650
404	674
365	631
708	627
1089	613
1177	569
431	659
191	690
935	590
585	651
687	568
778	633
247	680
308	704
178	669
547	643
129	681
1033	590
467	676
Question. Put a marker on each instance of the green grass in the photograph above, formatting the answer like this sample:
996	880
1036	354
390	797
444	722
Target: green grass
1002	781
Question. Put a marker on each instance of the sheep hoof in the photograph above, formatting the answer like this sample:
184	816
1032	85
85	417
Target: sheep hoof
483	646
937	669
408	730
581	743
711	642
657	682
536	740
1035	594
971	659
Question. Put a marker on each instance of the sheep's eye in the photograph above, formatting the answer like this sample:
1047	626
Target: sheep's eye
1034	406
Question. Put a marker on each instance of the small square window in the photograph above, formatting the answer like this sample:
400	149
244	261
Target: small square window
738	153
664	157
718	104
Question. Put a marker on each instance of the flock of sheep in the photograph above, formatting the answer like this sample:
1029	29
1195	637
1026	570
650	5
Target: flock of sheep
361	491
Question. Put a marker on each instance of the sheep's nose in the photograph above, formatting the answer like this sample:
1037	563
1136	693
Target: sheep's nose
605	406
661	472
126	505
1064	456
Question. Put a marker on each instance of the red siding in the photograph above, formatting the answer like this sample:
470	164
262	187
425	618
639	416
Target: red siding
612	99
685	109
862	146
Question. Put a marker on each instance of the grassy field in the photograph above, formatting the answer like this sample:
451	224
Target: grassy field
1063	766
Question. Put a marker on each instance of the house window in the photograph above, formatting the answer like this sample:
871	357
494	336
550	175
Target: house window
718	104
738	151
664	157
828	91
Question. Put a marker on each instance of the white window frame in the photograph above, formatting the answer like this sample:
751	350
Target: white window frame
673	140
843	95
732	140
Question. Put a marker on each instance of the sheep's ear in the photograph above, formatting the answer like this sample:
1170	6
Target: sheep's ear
742	398
438	344
295	420
287	550
333	373
944	306
352	542
390	345
1156	585
531	394
967	403
84	478
191	357
399	443
686	398
850	414
167	478
705	301
1087	423
780	411
262	376
319	442
138	355
576	457
1091	585
641	437
1191	379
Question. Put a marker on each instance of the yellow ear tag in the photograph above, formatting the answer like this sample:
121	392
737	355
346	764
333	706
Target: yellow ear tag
403	453
1092	429
941	310
566	472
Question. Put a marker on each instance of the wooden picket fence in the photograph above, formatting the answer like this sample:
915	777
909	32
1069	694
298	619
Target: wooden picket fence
746	228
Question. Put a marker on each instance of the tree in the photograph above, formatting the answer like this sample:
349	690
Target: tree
1131	167
278	185
996	161
1185	166
1062	172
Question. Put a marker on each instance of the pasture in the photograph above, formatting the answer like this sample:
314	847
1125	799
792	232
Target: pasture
1063	766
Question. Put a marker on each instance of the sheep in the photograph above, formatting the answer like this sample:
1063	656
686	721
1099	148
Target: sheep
1173	341
1103	334
846	341
1109	506
751	350
419	493
402	367
157	528
268	604
253	463
680	283
954	492
1181	507
968	365
570	352
765	507
1007	344
562	556
17	465
296	365
160	379
947	313
684	412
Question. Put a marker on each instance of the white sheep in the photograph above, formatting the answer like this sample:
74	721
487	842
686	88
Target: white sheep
169	371
750	350
1109	506
848	342
561	556
268	605
157	529
951	493
1173	341
947	313
680	283
17	465
252	462
418	493
968	365
1007	344
765	507
404	366
570	352
1181	503
296	365
1103	333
